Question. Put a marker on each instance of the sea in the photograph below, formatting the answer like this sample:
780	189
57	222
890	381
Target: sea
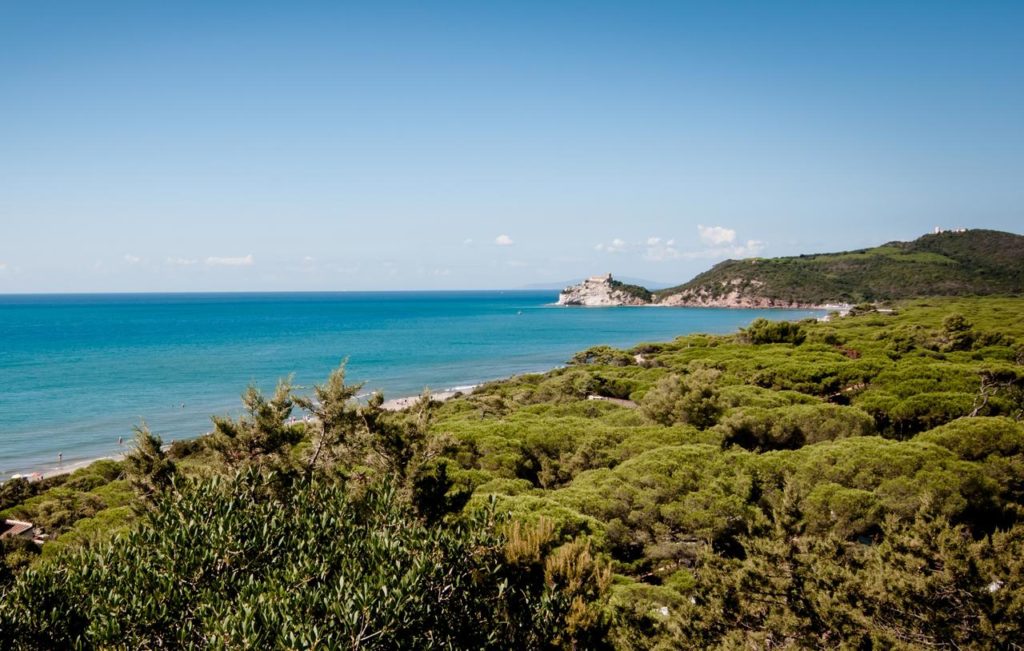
78	372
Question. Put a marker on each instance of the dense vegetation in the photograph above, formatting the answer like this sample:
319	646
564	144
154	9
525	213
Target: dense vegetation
975	262
635	291
854	484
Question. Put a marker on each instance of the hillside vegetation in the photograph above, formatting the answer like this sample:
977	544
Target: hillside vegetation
855	484
974	262
635	291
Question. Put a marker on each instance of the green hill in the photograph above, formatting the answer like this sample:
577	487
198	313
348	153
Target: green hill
973	262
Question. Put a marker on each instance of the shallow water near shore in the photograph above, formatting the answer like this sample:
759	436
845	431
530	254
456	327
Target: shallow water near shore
78	371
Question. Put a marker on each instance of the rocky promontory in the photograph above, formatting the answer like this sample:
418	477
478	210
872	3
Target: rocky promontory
604	291
945	263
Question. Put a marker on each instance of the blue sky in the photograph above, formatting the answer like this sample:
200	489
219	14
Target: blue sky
204	146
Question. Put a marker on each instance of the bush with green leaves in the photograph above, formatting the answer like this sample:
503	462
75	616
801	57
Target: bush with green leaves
926	585
691	399
794	426
602	356
763	331
234	563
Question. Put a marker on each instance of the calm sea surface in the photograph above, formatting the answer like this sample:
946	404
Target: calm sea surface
78	371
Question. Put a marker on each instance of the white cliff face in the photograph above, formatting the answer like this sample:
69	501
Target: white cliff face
731	299
603	291
735	293
597	291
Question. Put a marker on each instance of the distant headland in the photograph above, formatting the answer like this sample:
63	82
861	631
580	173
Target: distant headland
957	262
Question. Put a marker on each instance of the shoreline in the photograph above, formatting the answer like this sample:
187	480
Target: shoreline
51	470
38	473
842	308
44	469
398	404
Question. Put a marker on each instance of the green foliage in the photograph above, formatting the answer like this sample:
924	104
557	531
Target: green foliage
262	437
337	425
976	439
603	356
15	555
96	528
745	395
763	331
692	399
957	333
794	426
635	291
147	467
659	505
236	563
15	491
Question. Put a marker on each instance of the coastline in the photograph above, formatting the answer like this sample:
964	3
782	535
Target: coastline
398	404
605	291
38	473
45	472
842	308
489	351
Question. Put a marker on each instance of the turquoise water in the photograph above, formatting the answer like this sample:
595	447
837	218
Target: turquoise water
78	371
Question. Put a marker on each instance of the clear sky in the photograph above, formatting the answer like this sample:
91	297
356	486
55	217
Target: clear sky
190	146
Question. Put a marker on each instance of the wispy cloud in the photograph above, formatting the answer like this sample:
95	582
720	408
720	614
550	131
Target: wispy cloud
720	242
748	250
467	241
244	261
716	241
659	250
182	262
503	240
3	267
615	246
132	259
653	248
716	235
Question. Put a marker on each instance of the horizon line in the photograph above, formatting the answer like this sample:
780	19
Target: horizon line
274	291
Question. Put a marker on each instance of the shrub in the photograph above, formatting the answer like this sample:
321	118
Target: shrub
230	563
793	426
763	331
974	439
692	399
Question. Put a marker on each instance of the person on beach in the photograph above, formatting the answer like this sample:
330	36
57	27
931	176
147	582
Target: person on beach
60	458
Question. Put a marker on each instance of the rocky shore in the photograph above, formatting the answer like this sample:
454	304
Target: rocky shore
605	291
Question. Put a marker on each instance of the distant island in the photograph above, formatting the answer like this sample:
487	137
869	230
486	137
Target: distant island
945	263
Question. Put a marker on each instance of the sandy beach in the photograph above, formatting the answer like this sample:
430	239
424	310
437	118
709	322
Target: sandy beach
65	468
398	404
